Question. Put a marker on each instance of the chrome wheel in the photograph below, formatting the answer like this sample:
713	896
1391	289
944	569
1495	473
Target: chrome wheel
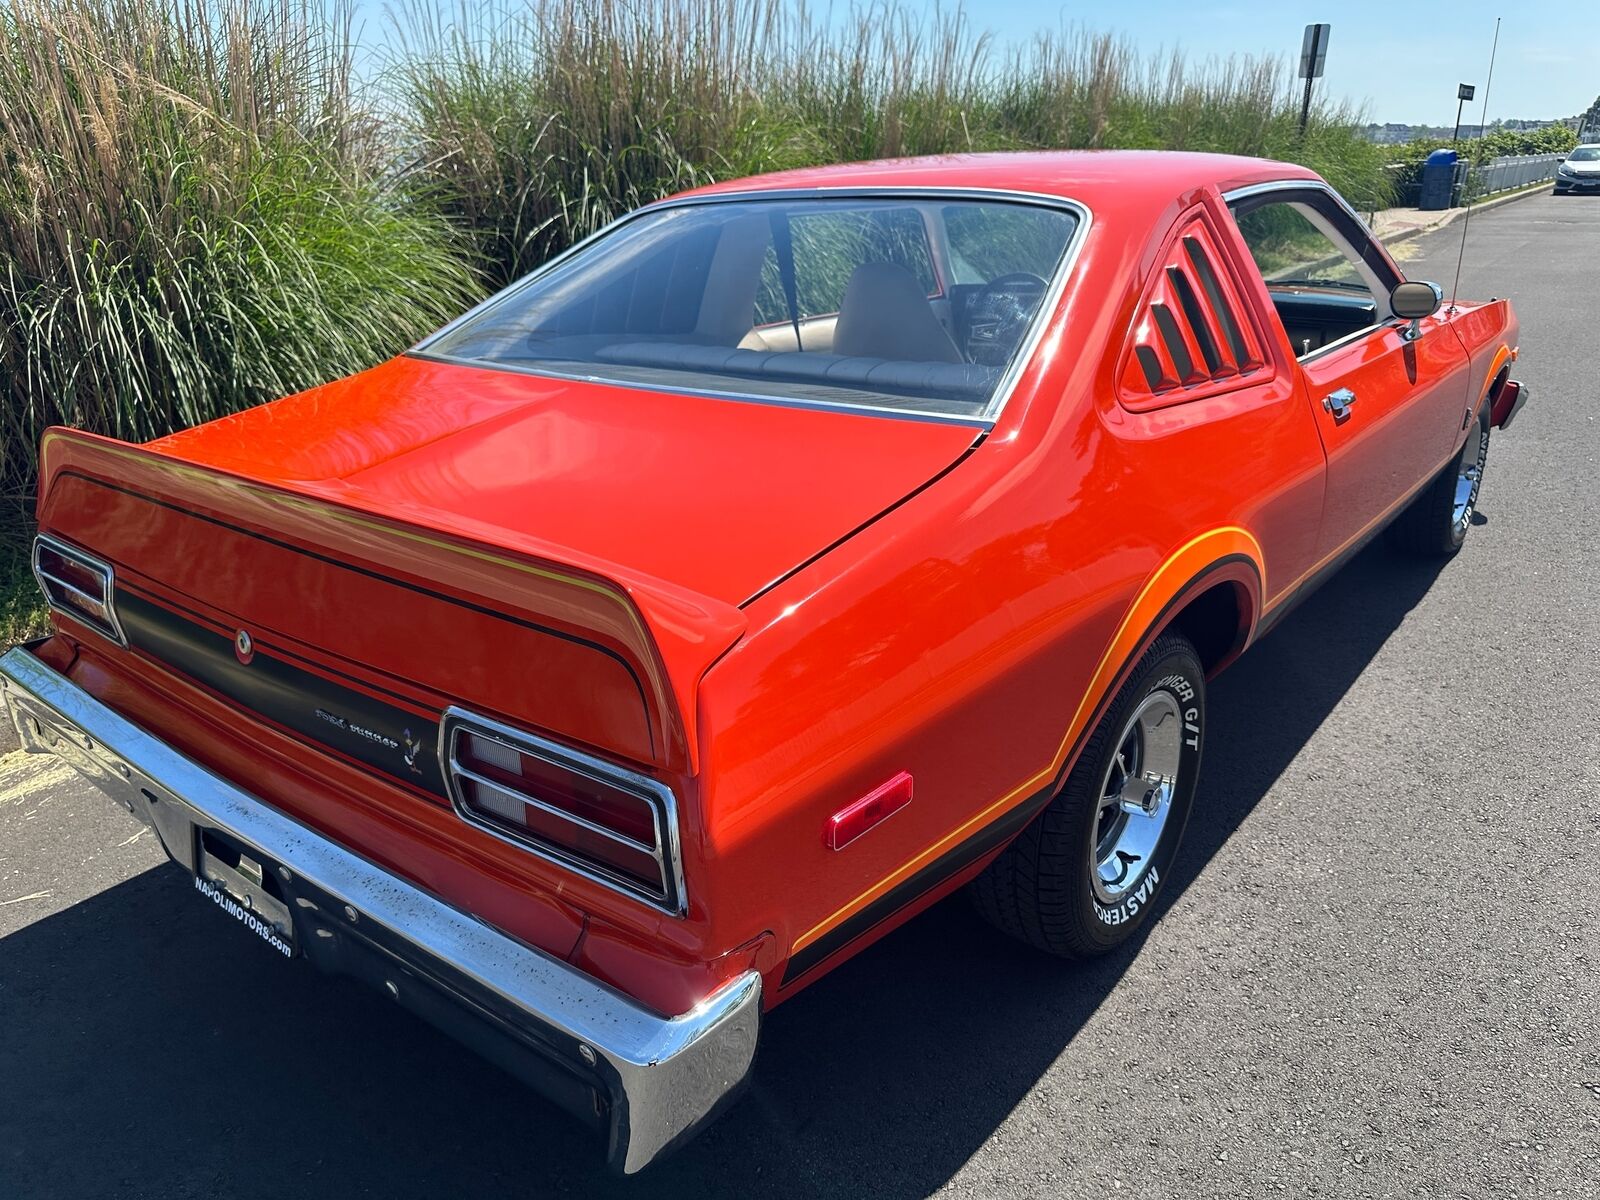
1469	476
1136	796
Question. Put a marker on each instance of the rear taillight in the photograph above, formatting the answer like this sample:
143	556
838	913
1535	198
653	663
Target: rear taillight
77	584
603	821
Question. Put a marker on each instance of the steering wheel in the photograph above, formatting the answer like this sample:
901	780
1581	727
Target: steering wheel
999	313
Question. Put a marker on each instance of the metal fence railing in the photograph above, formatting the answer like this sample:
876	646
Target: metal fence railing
1474	182
1506	174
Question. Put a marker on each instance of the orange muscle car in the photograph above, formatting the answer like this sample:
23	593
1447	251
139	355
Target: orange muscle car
607	668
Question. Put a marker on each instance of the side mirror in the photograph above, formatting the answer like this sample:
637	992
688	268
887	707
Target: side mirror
1411	301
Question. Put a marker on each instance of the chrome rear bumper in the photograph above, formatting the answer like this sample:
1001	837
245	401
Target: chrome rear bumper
650	1081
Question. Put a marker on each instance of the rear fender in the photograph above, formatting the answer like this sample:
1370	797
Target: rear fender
1488	332
1228	555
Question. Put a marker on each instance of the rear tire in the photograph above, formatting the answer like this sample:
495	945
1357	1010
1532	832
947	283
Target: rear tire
1083	877
1435	524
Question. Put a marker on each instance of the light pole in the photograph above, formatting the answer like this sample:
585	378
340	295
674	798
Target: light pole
1463	93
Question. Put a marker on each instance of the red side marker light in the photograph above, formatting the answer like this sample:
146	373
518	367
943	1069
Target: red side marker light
850	822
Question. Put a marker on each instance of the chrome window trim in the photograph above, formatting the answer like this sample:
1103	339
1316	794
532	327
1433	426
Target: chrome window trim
1315	185
658	795
1348	339
1003	389
870	410
1297	185
89	562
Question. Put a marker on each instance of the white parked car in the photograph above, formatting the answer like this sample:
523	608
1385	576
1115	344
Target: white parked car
1580	172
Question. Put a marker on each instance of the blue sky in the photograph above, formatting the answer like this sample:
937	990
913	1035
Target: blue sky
1399	59
1402	60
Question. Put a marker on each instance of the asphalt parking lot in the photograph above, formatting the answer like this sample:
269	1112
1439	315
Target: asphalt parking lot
1377	976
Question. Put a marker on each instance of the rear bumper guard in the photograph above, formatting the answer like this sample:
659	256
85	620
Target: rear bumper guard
650	1081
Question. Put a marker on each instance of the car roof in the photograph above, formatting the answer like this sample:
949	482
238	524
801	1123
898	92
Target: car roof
1089	176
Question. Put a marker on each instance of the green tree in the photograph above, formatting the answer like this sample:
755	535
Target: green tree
1591	117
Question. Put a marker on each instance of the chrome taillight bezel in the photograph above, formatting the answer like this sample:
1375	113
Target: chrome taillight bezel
670	898
111	626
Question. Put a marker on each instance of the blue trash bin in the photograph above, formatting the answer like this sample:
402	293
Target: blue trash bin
1438	181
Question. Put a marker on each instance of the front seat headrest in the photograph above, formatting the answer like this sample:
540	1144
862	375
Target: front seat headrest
886	314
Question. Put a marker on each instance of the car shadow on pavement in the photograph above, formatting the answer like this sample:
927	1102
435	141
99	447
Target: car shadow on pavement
150	1049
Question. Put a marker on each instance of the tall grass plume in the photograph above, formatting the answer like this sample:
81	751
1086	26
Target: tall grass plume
195	216
531	125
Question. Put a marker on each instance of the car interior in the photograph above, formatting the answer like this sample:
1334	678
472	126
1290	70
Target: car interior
1314	318
1323	289
903	304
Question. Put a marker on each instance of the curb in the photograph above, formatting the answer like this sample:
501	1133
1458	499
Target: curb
1450	216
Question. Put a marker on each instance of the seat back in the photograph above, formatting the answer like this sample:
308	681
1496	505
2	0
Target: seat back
885	315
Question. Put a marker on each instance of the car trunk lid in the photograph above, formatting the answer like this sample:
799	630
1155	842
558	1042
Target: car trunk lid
717	496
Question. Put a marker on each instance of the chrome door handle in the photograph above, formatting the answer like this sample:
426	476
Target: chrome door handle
1339	403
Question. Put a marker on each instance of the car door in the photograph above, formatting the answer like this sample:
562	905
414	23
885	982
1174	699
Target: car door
1388	402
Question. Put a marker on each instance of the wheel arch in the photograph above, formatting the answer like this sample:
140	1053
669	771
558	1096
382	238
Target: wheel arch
1499	376
1212	586
1218	621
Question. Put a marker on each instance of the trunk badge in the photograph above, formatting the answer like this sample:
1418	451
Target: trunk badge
244	646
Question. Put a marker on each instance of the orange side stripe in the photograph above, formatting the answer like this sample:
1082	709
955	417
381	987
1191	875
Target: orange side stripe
1187	562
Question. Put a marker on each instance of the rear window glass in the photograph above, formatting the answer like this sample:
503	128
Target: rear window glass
987	242
829	246
904	304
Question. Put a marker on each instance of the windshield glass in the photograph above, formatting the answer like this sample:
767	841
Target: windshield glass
910	304
1585	154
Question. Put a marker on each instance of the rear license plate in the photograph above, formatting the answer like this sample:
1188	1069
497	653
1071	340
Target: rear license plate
242	883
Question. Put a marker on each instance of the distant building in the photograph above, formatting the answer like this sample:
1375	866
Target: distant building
1389	134
1396	133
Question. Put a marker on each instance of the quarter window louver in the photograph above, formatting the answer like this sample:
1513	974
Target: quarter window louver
1175	343
1191	338
1220	305
1199	323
